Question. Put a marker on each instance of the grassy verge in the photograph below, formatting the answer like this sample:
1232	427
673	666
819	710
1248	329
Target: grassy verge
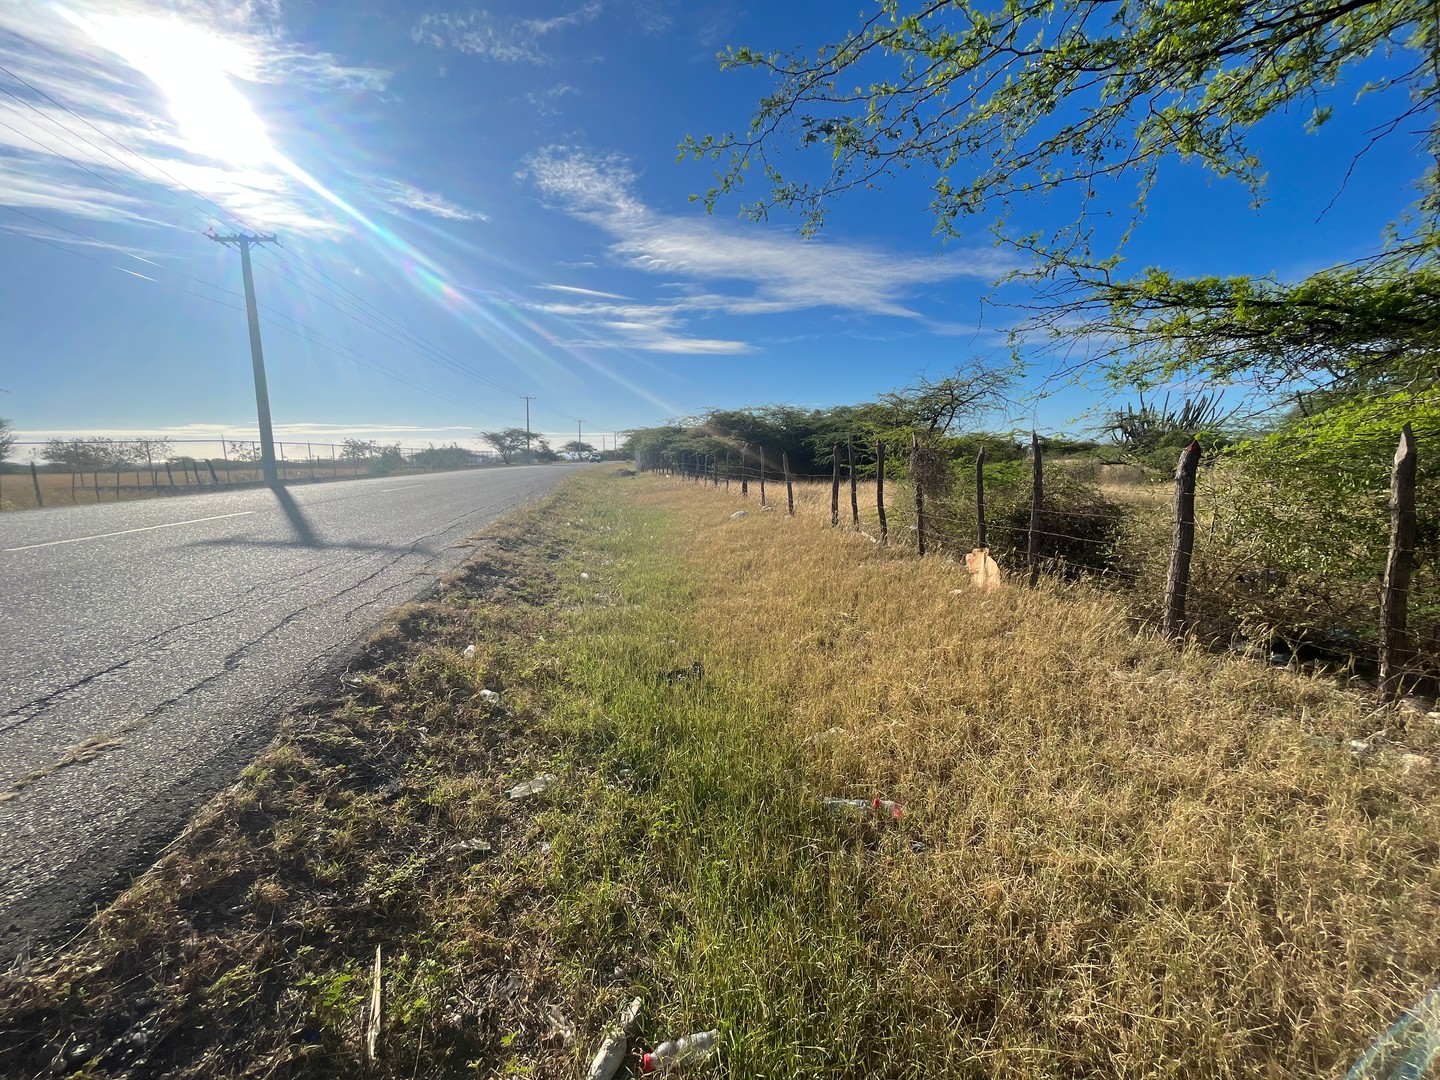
1114	859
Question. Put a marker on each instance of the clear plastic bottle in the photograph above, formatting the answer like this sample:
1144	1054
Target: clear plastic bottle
833	803
889	807
685	1050
530	787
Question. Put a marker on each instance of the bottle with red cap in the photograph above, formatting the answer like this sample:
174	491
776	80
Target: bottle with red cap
686	1050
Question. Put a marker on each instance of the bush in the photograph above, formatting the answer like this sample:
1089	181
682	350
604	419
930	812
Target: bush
1080	526
1302	520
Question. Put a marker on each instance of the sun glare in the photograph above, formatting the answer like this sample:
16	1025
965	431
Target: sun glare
193	69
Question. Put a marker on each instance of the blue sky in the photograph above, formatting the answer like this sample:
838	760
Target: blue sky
480	202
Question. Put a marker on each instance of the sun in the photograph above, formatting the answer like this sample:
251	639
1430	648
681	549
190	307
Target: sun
193	69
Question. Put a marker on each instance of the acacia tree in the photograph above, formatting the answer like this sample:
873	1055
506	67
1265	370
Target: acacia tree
1004	101
577	449
513	440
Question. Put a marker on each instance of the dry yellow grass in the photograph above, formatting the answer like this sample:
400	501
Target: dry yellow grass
1140	861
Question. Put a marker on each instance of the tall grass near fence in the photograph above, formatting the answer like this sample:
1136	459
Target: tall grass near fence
1287	547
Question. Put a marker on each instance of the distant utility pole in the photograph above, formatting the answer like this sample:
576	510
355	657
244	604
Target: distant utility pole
579	438
529	459
257	355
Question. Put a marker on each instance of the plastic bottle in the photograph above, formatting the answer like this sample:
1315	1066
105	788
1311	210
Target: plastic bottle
611	1055
530	787
889	807
833	803
685	1050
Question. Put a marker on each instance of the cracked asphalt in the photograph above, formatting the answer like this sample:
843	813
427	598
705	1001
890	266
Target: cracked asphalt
161	641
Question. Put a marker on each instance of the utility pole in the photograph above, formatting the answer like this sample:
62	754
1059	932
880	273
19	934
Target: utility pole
529	460
579	438
257	355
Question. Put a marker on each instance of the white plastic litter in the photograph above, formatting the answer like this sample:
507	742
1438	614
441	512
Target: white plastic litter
469	652
611	1055
531	787
740	515
490	696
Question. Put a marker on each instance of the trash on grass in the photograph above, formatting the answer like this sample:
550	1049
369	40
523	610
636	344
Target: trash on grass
888	807
983	570
531	787
685	1050
478	846
584	576
694	673
469	653
740	515
561	1024
490	697
611	1055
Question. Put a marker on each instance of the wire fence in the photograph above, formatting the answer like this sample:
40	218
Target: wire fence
72	472
1193	568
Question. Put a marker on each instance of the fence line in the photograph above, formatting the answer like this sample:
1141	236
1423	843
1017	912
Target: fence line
1395	649
114	468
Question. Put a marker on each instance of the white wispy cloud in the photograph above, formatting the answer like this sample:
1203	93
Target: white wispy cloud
763	271
399	193
547	102
135	111
583	292
504	39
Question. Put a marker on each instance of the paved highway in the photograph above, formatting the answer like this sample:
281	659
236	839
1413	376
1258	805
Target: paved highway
168	636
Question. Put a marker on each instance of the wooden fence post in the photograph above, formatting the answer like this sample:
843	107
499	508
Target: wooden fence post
762	477
170	475
835	485
117	481
210	464
980	498
1177	582
880	490
915	471
854	493
789	488
35	479
1399	563
1037	495
727	470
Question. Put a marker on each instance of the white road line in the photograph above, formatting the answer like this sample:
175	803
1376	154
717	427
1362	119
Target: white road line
126	532
402	487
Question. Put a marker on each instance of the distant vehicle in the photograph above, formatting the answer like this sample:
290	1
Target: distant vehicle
595	458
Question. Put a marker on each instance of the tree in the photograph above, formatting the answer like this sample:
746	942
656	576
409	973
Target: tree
577	450
7	441
510	441
241	451
354	450
1001	103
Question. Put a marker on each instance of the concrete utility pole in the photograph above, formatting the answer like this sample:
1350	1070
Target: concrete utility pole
257	355
579	438
529	460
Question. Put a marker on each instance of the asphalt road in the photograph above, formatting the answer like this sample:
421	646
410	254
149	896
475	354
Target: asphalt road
180	629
